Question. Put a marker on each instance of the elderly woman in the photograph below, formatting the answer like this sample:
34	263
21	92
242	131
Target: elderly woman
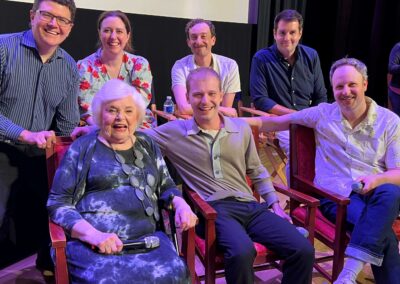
106	190
113	60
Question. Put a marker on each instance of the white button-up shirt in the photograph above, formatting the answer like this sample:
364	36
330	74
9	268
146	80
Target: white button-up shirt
344	153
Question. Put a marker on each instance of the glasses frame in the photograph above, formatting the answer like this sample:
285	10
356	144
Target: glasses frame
47	17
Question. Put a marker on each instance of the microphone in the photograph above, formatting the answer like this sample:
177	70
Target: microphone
357	187
145	243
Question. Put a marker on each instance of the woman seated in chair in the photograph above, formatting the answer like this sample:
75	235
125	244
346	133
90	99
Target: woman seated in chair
114	59
107	190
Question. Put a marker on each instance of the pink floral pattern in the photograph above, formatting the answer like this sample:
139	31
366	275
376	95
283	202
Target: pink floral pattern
135	70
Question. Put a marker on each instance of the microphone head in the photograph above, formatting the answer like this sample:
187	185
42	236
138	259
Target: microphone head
152	242
357	187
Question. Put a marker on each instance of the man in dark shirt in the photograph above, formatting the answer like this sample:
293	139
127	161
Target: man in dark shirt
287	76
38	100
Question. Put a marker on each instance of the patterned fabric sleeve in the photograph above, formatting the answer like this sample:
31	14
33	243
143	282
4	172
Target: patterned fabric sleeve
141	77
86	88
60	204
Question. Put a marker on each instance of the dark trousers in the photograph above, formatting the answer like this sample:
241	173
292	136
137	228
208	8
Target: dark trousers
370	218
24	191
240	223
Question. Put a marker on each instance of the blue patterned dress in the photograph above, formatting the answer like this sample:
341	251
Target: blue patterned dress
90	184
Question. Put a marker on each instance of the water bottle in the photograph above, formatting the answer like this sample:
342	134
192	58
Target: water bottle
169	105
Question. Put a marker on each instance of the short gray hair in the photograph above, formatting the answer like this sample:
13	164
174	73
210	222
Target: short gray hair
360	67
115	89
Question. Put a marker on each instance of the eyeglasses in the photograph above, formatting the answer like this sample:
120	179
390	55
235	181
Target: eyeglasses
144	194
48	17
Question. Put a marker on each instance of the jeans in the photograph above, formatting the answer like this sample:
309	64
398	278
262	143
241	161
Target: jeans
240	223
370	218
395	101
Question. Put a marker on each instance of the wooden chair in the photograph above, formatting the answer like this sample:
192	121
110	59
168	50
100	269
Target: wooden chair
206	249
273	151
57	236
54	156
302	172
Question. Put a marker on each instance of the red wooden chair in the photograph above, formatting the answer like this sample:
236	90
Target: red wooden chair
302	172
275	154
206	249
54	156
58	239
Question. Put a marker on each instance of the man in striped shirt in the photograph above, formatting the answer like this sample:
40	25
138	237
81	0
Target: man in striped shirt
38	100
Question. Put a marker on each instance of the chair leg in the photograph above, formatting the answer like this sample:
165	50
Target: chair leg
279	168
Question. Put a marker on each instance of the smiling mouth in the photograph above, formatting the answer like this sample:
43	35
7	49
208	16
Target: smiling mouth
119	127
52	32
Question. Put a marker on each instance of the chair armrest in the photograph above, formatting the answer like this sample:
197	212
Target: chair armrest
296	195
199	204
57	235
302	182
164	115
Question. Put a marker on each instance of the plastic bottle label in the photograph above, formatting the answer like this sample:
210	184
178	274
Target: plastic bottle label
169	109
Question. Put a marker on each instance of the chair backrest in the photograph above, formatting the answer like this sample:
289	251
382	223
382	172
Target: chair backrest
302	152
54	156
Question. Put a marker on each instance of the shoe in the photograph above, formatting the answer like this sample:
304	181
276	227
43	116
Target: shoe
44	263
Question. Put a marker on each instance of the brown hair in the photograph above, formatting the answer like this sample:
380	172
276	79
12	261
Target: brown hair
124	19
70	4
194	22
289	16
204	72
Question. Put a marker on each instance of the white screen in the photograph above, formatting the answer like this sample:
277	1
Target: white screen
215	10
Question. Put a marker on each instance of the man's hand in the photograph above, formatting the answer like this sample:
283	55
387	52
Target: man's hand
82	130
370	183
228	111
279	211
42	139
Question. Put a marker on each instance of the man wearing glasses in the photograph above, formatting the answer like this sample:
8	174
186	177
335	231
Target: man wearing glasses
38	100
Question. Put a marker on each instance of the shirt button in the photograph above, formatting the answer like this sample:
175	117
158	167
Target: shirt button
292	78
215	157
294	104
217	172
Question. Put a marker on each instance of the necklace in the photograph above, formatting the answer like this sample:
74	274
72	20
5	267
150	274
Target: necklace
145	192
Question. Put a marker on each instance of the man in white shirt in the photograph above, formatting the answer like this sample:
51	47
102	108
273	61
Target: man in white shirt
357	141
201	38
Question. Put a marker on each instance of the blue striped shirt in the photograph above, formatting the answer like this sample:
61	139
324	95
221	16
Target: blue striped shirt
35	96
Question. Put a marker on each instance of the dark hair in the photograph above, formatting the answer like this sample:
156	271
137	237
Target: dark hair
194	22
124	19
70	4
204	71
288	16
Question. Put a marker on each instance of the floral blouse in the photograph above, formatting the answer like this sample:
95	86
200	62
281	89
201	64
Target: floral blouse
135	71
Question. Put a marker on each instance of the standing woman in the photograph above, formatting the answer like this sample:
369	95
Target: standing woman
114	60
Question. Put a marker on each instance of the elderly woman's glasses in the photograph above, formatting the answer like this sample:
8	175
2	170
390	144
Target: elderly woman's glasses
144	194
48	17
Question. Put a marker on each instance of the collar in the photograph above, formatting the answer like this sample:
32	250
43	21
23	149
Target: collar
193	129
29	41
370	119
213	62
280	56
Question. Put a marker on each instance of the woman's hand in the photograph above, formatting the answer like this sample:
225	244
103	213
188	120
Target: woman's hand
184	216
107	243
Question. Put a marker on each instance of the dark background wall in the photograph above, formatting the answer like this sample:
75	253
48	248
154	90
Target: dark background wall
365	29
161	40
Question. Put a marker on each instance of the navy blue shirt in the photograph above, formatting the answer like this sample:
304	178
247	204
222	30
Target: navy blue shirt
274	81
34	95
394	65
